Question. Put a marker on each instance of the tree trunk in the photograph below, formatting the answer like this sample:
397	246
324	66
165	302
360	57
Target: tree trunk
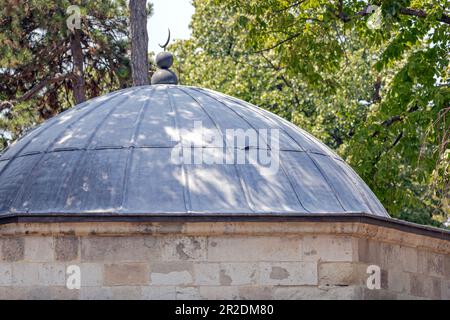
139	42
79	87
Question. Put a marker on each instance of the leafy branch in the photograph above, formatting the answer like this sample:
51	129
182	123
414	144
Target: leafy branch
34	90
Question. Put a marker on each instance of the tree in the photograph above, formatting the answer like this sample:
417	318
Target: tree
46	68
377	94
139	41
79	87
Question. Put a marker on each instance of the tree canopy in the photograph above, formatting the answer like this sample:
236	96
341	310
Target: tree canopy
38	67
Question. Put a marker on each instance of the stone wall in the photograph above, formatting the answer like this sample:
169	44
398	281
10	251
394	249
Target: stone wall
220	261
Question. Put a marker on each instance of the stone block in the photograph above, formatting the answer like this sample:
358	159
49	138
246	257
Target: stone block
124	249
445	289
66	248
126	274
409	259
207	274
447	267
219	292
37	293
398	281
62	293
126	293
390	256
44	293
25	274
327	248
225	274
171	273
10	293
378	294
188	293
384	278
184	248
96	293
51	274
288	273
404	296
297	293
91	274
425	286
369	251
437	288
432	264
342	274
315	293
238	273
5	274
158	293
26	293
38	249
256	292
235	249
13	249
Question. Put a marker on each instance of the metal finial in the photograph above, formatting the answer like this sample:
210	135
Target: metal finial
164	61
167	42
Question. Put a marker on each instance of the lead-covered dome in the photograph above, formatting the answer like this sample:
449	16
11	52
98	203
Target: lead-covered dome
114	156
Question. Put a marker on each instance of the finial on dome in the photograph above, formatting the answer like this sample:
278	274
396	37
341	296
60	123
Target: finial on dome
164	46
164	61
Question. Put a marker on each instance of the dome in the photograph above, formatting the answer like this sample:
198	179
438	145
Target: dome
133	153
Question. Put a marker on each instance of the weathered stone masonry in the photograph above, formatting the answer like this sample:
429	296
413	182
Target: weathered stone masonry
220	260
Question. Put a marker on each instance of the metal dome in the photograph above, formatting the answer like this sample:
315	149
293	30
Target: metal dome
113	156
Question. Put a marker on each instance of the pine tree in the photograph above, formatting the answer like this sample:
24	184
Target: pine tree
46	68
139	42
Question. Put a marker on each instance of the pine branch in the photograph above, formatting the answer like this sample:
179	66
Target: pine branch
33	91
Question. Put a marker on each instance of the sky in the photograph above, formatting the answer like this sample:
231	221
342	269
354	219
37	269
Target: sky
173	14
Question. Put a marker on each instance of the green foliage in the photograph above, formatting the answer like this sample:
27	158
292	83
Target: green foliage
379	97
35	50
